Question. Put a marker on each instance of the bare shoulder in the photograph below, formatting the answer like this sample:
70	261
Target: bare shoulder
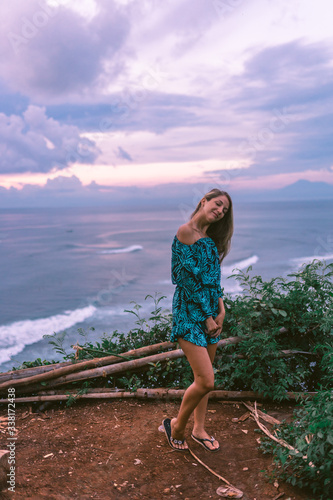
186	235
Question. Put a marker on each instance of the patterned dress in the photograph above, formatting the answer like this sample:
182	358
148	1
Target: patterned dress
196	271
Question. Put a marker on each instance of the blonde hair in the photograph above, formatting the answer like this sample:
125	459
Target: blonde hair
222	230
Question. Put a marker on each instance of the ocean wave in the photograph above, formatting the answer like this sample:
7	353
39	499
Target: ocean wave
165	282
242	264
306	260
132	248
232	287
14	337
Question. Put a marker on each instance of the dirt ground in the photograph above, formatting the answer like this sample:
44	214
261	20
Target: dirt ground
112	449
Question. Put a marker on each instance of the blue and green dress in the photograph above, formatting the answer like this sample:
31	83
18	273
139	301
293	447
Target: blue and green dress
196	271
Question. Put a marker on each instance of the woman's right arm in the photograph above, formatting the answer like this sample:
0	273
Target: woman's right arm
212	327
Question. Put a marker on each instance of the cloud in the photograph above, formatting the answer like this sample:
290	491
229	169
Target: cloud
273	118
54	52
121	153
64	191
35	143
69	191
162	79
284	96
289	74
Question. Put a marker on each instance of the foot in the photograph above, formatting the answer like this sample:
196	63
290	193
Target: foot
177	436
212	445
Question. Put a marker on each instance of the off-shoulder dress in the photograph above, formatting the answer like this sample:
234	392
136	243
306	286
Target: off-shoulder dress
196	272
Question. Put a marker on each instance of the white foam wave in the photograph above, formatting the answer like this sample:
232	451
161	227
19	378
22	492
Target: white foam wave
132	248
232	287
14	337
165	282
242	264
306	260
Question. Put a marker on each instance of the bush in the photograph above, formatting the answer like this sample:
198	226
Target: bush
311	433
277	316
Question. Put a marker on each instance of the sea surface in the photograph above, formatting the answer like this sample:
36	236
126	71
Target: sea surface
64	269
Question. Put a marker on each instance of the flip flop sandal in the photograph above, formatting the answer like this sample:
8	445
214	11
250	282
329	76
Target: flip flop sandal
229	492
201	441
167	429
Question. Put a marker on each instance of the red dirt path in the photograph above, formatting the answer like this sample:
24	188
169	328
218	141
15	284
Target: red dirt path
113	450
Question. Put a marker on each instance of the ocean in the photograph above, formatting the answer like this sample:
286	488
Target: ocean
64	269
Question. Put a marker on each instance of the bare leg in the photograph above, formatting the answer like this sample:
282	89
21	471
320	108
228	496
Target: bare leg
201	365
201	410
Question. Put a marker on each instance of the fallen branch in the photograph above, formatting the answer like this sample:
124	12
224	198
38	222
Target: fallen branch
263	415
282	442
143	393
234	492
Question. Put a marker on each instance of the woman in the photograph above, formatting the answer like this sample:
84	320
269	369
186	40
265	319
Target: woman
198	249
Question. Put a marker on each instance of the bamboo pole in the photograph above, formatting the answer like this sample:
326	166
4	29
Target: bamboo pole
286	353
105	371
67	374
146	393
34	370
54	371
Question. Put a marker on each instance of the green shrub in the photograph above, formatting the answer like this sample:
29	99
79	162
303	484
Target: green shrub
311	434
275	316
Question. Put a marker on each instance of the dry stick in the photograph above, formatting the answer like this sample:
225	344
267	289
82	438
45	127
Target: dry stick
215	473
263	415
100	362
101	449
282	442
280	495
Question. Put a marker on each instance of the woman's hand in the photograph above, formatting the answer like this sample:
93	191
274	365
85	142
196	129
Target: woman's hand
219	321
211	327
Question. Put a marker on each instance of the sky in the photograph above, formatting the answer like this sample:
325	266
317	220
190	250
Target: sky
124	98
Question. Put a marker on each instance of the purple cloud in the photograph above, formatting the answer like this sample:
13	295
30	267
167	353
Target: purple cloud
121	153
53	52
35	143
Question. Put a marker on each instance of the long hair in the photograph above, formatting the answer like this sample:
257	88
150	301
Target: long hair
222	230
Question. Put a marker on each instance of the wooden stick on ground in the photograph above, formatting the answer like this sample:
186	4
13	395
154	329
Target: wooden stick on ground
282	442
232	488
262	415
